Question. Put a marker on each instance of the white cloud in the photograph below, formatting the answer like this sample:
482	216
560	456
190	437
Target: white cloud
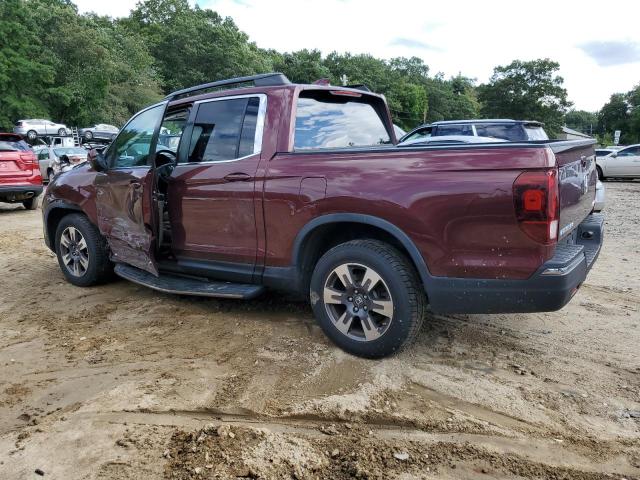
470	37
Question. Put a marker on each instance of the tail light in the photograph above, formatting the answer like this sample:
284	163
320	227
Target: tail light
537	204
29	159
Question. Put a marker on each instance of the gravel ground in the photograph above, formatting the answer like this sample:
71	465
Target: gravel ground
120	382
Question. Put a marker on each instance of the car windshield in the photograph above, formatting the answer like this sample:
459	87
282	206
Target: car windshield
13	144
70	151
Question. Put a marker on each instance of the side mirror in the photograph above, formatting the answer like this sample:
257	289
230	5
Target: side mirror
614	154
97	160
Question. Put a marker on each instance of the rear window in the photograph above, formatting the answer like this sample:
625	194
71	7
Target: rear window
11	143
536	133
513	132
326	120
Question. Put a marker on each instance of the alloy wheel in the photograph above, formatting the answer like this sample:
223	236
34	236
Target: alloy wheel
74	251
358	302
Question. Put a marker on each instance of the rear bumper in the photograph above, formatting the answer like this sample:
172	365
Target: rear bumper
549	289
18	193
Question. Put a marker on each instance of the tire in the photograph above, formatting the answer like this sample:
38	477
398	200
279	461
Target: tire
32	135
62	132
88	136
386	315
50	174
31	203
98	268
600	174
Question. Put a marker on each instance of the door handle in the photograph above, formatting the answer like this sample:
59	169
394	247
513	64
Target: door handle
237	177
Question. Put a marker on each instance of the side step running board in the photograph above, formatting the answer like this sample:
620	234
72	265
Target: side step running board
188	286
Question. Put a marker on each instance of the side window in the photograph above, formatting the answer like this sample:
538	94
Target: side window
224	130
418	134
171	130
454	130
43	155
629	152
132	145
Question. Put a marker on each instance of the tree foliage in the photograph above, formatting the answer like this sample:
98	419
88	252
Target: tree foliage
526	90
82	69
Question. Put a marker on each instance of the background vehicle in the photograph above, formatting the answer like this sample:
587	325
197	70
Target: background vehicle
20	180
62	159
449	139
510	130
603	152
100	131
278	185
621	163
34	127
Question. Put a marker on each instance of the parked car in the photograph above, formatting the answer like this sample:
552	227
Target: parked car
450	140
63	159
621	163
34	127
100	131
277	185
20	180
603	152
509	130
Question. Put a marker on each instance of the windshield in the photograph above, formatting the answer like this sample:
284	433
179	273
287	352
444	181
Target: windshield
326	120
69	151
12	145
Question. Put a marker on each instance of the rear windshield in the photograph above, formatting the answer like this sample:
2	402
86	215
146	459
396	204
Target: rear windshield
13	144
536	133
326	120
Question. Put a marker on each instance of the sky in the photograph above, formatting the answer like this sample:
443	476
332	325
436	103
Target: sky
596	43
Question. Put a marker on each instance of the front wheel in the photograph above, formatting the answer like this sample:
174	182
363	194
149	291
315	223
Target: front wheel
62	132
82	252
367	298
88	136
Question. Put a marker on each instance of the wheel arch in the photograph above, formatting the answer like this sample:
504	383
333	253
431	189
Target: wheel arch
54	215
327	231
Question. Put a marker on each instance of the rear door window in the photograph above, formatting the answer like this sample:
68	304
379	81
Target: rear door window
225	130
329	120
512	132
464	129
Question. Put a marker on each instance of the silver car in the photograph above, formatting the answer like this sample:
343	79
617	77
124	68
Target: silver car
53	160
34	127
100	131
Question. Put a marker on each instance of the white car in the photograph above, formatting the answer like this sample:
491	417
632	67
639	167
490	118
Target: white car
622	163
449	140
54	160
34	127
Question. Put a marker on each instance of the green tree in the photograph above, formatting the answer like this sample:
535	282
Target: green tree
614	115
24	76
303	66
526	90
581	120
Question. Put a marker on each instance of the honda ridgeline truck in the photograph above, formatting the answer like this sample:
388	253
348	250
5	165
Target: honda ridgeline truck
264	184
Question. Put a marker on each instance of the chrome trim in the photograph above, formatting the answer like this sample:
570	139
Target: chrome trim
566	269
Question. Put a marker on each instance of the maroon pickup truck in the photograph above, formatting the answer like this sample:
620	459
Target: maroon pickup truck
264	184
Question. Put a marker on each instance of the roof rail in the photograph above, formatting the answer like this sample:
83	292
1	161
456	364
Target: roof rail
262	80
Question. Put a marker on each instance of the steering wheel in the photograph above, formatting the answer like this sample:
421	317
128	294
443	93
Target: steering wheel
165	168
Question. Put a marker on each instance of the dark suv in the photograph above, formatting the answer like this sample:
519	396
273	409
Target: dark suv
272	185
509	130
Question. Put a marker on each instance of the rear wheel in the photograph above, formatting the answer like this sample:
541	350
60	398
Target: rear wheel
600	174
367	298
82	252
32	135
31	203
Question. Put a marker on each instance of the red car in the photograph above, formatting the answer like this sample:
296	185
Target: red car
302	188
20	178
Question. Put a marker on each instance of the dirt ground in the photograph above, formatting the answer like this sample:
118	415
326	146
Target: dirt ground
121	382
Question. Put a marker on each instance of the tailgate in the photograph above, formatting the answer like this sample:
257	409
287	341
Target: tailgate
16	164
577	181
